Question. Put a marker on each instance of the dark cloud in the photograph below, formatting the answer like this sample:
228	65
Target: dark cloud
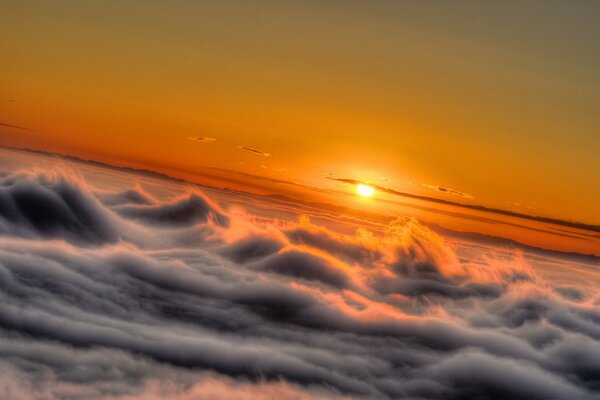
53	207
192	209
447	190
16	127
129	196
202	139
257	177
480	375
570	292
255	151
251	248
122	295
303	265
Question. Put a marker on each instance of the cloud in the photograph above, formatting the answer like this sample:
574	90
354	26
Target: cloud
301	264
255	151
187	210
447	190
217	387
483	376
124	295
53	205
202	139
16	127
130	196
251	248
258	177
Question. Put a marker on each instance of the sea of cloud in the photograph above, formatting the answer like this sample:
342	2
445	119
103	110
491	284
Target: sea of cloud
119	295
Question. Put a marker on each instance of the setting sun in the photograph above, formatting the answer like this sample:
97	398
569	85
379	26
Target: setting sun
364	190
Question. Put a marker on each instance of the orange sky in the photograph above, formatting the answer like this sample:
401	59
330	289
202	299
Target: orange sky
496	102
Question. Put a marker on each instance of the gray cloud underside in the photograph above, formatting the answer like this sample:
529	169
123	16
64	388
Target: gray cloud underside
103	294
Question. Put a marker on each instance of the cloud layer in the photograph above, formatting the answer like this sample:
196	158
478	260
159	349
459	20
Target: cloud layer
120	295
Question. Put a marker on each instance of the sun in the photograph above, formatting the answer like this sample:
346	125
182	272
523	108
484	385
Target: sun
365	190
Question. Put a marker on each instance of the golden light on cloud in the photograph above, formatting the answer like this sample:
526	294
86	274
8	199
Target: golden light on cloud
364	190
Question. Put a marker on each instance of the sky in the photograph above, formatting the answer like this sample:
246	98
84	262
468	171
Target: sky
299	199
494	101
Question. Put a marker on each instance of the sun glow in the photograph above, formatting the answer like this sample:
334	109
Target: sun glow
364	190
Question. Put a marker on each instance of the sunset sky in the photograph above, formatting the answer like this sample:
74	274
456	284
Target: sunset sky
496	101
299	199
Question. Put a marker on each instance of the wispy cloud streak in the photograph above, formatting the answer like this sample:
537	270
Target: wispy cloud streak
255	151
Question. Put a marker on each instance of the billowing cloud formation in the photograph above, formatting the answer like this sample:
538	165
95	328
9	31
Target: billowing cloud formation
123	296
